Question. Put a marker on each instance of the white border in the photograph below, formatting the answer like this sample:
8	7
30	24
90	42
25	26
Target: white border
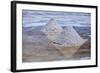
34	65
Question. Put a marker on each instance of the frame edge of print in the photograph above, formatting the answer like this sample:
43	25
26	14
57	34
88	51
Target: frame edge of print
96	36
13	36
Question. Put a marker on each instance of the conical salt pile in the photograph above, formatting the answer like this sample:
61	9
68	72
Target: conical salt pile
67	40
52	29
69	37
62	37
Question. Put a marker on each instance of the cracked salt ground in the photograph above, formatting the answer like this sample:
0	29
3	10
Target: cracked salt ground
41	52
44	51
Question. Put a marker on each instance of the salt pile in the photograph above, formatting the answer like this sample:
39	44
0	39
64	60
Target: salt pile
52	30
67	37
67	40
